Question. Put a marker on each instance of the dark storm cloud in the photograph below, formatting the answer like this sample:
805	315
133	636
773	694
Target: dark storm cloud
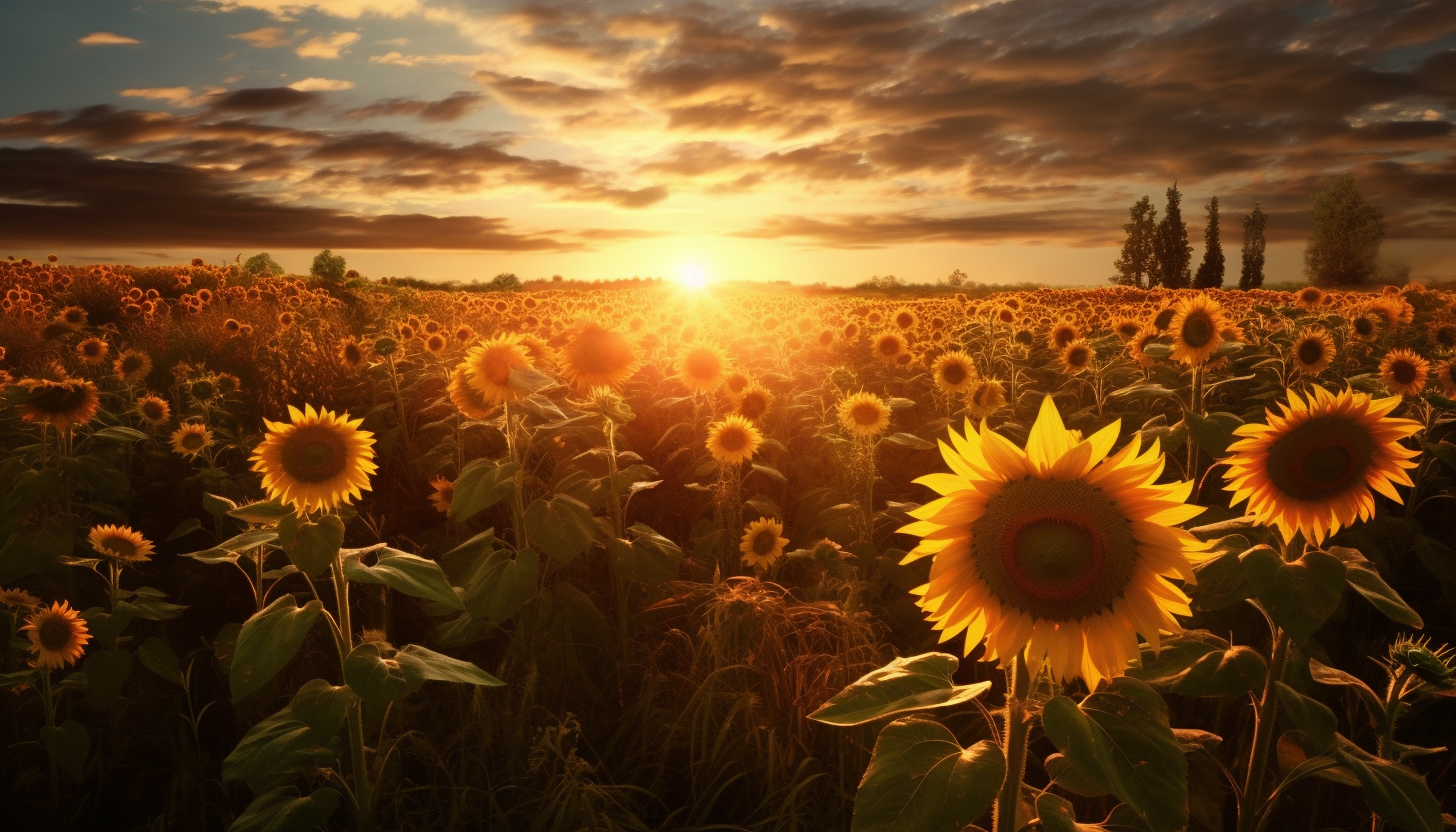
1077	227
451	108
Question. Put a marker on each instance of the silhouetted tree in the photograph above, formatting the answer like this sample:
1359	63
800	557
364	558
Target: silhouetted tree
1251	273
1345	233
1173	252
328	266
1210	271
956	278
261	264
1136	265
504	282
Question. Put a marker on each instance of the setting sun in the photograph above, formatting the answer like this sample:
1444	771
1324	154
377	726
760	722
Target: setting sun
692	276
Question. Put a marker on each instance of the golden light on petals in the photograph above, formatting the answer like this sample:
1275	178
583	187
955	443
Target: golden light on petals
318	461
733	440
190	439
762	543
864	414
595	356
58	635
488	367
61	404
120	543
1404	371
702	368
953	372
1197	328
1313	350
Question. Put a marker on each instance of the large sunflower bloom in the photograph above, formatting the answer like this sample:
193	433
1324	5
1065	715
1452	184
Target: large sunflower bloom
58	635
1059	549
1404	372
953	372
120	543
488	368
986	399
1197	329
1311	468
702	368
60	404
864	414
597	357
761	544
733	440
321	460
467	399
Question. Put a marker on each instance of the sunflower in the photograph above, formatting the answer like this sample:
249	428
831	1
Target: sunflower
888	347
488	367
1310	297
953	372
1077	356
761	544
595	356
1197	328
905	318
132	366
465	398
1313	350
1145	336
754	401
1127	328
120	543
436	343
1404	372
1059	548
701	368
58	635
18	599
1311	468
153	410
864	414
987	398
1363	325
733	440
443	495
351	355
190	439
1061	335
321	460
93	350
1446	375
61	404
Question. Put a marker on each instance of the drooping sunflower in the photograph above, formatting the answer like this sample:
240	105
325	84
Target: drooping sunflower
467	399
1127	328
320	460
132	366
761	544
443	494
1197	328
595	356
190	439
702	368
488	367
18	599
1059	549
1061	335
1311	468
888	347
61	404
1404	372
953	372
1077	356
1313	350
153	410
864	414
733	440
58	635
988	397
120	543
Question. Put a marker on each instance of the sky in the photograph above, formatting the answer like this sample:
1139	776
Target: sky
801	141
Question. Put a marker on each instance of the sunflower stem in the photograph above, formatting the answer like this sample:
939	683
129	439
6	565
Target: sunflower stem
365	818
1195	406
1018	729
1251	803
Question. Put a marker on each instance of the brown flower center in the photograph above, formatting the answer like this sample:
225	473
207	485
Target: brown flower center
1320	458
1403	371
55	633
1198	329
314	454
764	542
953	373
732	439
1310	351
865	413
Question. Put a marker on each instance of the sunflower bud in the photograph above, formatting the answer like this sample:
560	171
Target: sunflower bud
1433	666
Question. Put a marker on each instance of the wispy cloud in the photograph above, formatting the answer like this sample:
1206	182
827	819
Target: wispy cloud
328	47
108	39
321	85
268	37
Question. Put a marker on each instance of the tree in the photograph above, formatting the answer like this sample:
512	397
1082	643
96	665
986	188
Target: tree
1136	266
261	264
1210	271
956	278
1251	273
504	282
1171	244
328	266
1345	233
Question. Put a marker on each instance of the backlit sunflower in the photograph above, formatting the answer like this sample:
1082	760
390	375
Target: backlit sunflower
1197	329
953	372
864	414
190	439
436	343
351	354
595	356
987	398
1313	350
733	440
701	368
92	350
1404	372
1310	297
754	401
132	366
321	460
443	494
761	544
467	399
905	318
1077	357
60	404
58	635
1127	328
888	347
120	543
1059	548
153	410
488	367
1311	468
1446	375
1061	335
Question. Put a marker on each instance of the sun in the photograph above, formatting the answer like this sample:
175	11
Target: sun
692	276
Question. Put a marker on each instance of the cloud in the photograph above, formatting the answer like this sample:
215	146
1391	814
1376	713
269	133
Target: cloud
451	108
321	85
1063	225
268	37
327	47
108	39
350	9
265	99
173	95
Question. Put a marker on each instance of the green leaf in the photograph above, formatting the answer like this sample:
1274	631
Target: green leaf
1326	675
299	737
482	484
186	527
410	574
1299	596
1120	738
377	676
68	745
268	640
1142	390
1199	663
311	546
157	657
502	585
1221	583
1393	791
910	440
905	684
1362	575
921	778
285	810
649	559
1214	432
1056	815
261	514
1309	716
120	433
1065	774
427	664
561	527
228	550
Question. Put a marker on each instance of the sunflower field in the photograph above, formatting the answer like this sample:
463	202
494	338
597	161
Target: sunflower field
283	555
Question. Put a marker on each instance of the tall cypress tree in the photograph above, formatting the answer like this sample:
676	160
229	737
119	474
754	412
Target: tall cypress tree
1136	266
1173	252
1251	274
1210	271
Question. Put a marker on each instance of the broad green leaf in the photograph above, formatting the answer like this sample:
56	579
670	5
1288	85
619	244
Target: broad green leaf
482	484
186	527
1143	390
1065	774
157	656
373	671
910	440
502	585
299	737
268	640
228	550
120	433
906	684
427	664
1121	739
1362	575
561	527
68	745
410	574
648	559
262	514
1199	663
1221	583
921	778
311	546
285	810
1300	595
148	604
1055	814
1309	716
1213	433
1326	675
1393	791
